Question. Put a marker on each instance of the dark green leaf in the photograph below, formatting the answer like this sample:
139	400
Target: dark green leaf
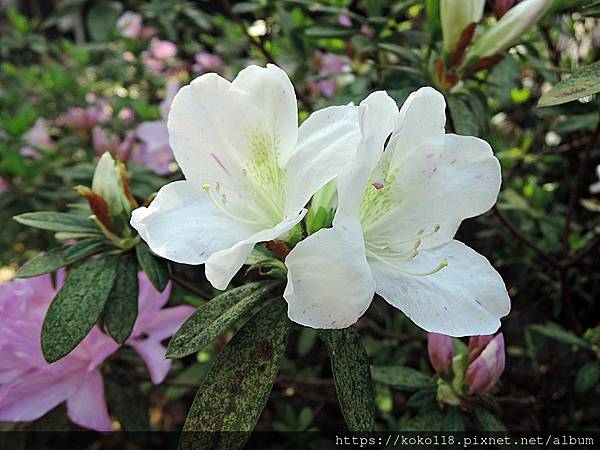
213	318
403	52
487	420
583	82
102	18
155	268
454	420
400	377
126	400
57	221
557	333
41	264
121	308
587	377
329	32
352	377
464	120
77	307
306	340
236	389
83	249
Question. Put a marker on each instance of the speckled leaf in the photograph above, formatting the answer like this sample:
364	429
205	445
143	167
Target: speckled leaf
41	264
583	82
235	391
400	377
121	308
83	249
126	401
213	318
352	377
57	221
155	267
77	307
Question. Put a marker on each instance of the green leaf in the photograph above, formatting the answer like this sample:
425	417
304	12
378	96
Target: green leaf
558	334
587	377
126	400
306	340
221	313
59	257
329	32
83	249
77	307
102	18
487	420
464	120
41	264
155	268
236	389
352	377
454	420
583	82
400	377
121	308
57	221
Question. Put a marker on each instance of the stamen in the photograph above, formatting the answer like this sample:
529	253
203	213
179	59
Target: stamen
220	205
443	263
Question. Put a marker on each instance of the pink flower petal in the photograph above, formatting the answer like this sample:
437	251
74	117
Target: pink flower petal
153	354
86	406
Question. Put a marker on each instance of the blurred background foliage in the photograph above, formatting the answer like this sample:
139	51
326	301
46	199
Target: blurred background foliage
79	67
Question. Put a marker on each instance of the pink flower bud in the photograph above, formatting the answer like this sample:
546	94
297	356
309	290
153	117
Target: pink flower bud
207	62
440	349
485	370
477	344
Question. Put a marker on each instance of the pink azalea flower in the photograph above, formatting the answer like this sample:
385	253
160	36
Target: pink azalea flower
130	24
37	136
344	20
155	152
85	118
112	143
329	63
162	50
207	62
30	387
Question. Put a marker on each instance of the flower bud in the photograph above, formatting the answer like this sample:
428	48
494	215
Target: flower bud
485	370
456	16
477	344
509	28
440	349
107	183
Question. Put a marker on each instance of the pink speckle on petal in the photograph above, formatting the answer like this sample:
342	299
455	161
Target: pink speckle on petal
216	158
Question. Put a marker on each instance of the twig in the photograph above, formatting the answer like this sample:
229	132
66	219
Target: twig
187	285
583	253
524	239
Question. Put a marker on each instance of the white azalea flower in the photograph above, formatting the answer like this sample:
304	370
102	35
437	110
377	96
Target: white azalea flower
398	211
249	169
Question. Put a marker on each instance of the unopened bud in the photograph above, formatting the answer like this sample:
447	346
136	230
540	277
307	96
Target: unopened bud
440	350
485	370
456	16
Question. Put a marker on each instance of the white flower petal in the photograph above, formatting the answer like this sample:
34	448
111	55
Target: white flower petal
377	115
329	280
182	224
468	297
327	141
461	181
221	266
218	130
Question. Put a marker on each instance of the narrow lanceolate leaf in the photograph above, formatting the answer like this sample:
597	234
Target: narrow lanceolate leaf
121	308
216	316
56	258
235	390
155	268
583	82
57	221
352	377
77	307
41	264
400	377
